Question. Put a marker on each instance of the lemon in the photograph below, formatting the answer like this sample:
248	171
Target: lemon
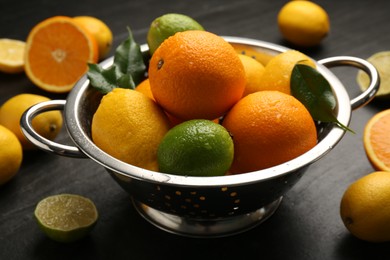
100	31
66	217
196	147
47	124
381	61
365	207
12	55
129	126
167	25
303	23
11	155
253	72
277	72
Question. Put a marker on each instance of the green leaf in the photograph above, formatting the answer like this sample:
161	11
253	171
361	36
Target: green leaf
315	93
128	58
127	70
104	80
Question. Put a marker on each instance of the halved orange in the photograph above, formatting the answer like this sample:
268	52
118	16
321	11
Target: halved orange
57	52
376	140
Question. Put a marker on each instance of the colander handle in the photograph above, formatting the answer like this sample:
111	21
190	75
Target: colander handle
367	95
40	141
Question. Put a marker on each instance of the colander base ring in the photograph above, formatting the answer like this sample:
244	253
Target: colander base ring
198	228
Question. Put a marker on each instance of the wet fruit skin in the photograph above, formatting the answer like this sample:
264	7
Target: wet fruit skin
196	148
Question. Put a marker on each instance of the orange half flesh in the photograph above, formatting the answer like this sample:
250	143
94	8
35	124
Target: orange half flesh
377	140
57	53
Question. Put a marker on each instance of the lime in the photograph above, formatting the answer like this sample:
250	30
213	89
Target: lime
66	217
381	61
167	25
196	147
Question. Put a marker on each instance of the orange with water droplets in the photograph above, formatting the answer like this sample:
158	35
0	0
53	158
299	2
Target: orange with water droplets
268	128
196	74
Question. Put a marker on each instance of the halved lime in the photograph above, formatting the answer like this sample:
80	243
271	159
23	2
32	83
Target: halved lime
66	217
381	61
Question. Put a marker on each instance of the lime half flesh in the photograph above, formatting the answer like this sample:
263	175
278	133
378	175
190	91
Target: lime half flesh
66	217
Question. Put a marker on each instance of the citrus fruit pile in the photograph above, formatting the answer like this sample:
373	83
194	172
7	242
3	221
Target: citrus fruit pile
205	109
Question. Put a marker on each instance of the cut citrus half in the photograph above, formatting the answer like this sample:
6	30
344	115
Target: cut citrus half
66	217
377	142
12	55
57	52
381	61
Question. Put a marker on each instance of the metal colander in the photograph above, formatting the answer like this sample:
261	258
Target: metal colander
202	206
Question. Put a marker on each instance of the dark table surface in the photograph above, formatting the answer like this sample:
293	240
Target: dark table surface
307	224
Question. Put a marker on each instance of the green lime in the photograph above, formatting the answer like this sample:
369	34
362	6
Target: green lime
196	148
381	61
66	217
167	25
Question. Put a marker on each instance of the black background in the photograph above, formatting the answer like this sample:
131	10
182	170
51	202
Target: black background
307	225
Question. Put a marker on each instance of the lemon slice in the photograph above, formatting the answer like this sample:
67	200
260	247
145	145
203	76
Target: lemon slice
12	55
381	60
66	217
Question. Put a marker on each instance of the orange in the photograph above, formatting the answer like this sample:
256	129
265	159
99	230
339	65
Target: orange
376	140
253	72
129	126
57	53
268	128
144	88
277	73
365	207
196	75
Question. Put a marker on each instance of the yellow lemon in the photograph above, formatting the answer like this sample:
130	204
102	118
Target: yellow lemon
47	124
253	72
12	55
365	207
277	72
129	126
11	155
303	23
99	30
